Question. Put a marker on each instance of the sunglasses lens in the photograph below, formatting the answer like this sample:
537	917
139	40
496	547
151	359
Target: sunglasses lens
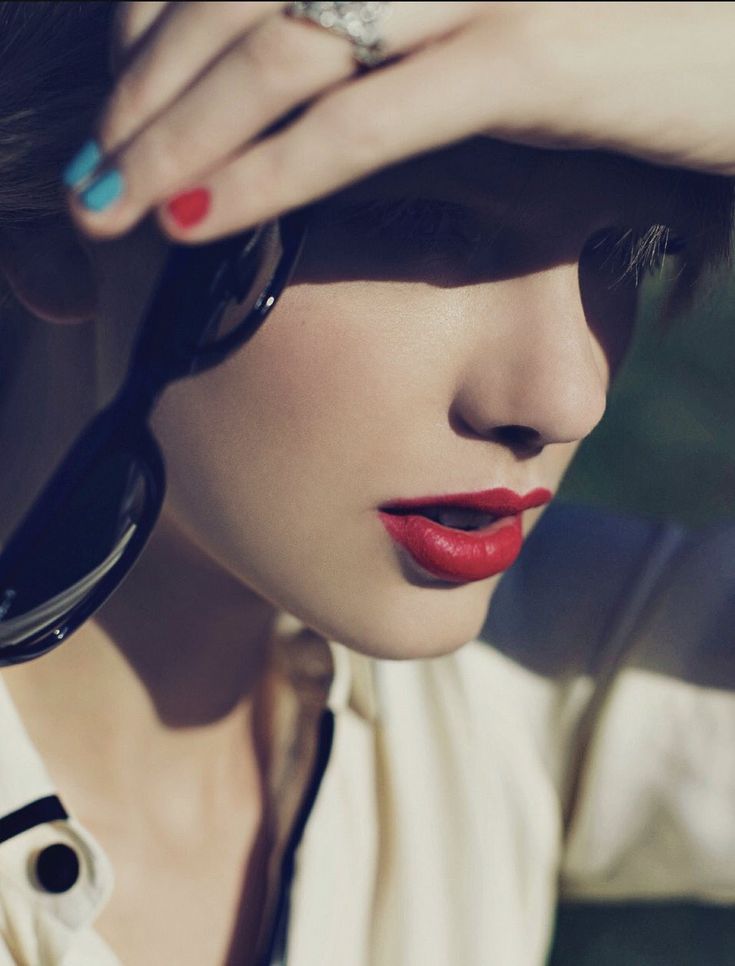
77	549
242	285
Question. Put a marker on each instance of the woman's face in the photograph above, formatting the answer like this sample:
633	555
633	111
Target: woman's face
452	329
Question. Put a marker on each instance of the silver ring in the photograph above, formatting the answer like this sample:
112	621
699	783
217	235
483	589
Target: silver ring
360	23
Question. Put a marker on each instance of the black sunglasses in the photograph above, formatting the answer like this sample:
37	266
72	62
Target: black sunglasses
93	518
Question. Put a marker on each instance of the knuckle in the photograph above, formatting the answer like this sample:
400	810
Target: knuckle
272	54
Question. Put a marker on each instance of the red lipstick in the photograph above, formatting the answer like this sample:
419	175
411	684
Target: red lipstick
462	537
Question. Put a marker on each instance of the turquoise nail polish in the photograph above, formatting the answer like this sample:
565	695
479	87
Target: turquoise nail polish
82	164
103	191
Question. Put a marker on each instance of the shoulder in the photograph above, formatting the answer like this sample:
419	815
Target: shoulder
580	570
593	586
594	593
631	626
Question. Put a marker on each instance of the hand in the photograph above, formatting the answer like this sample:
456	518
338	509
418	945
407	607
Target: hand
202	82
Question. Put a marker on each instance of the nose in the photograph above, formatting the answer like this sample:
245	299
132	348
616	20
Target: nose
536	374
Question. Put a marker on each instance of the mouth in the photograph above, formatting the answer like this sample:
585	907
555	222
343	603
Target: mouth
462	538
454	518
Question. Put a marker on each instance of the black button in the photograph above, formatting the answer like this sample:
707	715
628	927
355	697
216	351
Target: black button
57	868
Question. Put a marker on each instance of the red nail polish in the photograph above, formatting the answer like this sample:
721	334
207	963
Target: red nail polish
189	207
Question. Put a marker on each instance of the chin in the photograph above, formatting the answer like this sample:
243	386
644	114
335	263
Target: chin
413	623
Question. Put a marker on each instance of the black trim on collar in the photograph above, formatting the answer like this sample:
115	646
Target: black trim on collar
43	810
275	955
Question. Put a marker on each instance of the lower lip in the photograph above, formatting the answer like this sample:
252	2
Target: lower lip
457	556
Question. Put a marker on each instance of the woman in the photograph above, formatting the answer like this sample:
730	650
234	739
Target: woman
448	337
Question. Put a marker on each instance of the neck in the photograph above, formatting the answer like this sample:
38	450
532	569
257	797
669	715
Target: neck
161	687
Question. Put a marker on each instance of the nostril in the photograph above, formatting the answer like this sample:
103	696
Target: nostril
521	439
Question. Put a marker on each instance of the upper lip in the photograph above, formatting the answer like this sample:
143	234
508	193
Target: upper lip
499	502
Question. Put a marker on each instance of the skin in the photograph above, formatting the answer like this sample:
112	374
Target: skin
389	369
375	378
653	80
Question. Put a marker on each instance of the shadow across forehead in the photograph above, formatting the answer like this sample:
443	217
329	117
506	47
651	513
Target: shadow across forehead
500	177
535	207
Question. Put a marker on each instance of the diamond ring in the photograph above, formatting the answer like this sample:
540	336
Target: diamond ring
360	23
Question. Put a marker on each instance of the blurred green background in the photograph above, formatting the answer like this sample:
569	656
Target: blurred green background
666	446
644	934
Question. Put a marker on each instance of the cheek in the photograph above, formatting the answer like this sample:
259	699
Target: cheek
278	459
255	430
297	426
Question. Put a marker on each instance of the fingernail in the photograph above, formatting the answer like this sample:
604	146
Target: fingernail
104	191
82	164
189	207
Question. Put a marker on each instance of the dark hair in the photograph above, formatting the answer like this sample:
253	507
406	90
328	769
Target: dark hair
54	75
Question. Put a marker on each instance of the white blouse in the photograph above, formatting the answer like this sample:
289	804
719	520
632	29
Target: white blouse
587	749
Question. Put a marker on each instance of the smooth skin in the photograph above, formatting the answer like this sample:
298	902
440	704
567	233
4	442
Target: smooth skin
400	362
655	80
438	355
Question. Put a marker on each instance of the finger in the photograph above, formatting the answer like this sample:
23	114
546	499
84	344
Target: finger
350	133
188	36
133	18
280	65
406	25
191	36
277	64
